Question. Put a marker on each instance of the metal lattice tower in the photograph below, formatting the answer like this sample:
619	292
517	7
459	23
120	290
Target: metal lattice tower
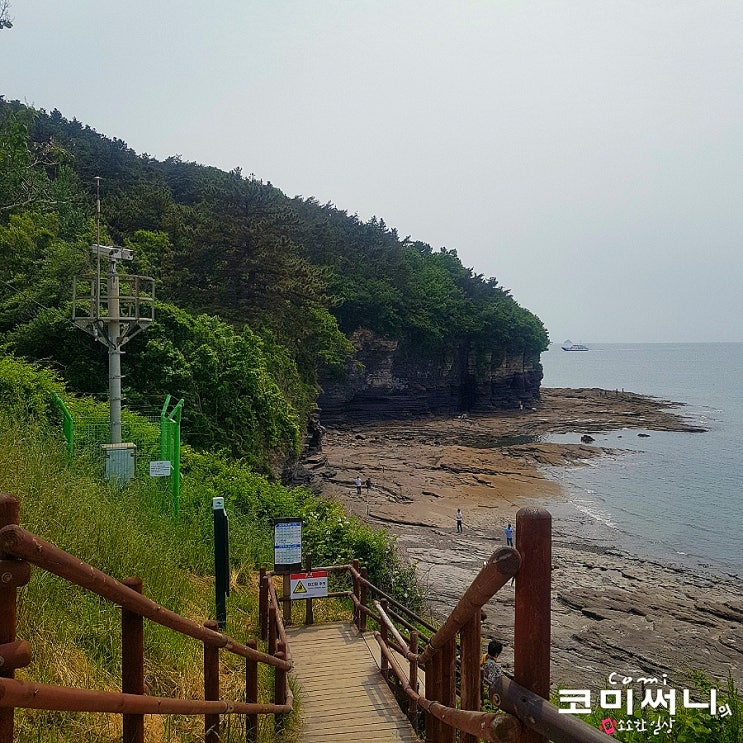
119	306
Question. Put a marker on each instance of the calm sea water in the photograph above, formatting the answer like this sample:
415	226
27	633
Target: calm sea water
673	496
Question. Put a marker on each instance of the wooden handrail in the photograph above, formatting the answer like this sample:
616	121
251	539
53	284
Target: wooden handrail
527	716
14	693
391	600
395	633
487	725
280	629
543	717
16	541
19	548
494	574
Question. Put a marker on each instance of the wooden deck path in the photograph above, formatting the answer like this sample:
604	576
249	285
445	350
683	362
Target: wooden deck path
343	697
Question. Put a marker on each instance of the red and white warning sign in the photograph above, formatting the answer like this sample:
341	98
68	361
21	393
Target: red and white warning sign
309	585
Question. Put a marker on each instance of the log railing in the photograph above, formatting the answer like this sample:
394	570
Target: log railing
19	549
527	716
451	699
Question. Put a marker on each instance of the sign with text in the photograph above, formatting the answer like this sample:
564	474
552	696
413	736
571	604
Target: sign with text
287	545
160	469
309	585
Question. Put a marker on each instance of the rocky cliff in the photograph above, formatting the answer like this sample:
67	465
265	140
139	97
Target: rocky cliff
390	379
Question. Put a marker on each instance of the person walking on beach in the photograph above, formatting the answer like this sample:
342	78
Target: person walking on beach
358	484
459	521
509	535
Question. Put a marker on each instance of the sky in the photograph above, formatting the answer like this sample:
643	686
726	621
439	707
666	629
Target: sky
588	154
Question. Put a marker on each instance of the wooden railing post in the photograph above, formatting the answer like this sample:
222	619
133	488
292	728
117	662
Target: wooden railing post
433	693
251	694
532	634
363	599
384	664
448	696
413	679
308	615
263	603
132	664
272	630
469	641
279	689
9	512
211	686
357	593
286	598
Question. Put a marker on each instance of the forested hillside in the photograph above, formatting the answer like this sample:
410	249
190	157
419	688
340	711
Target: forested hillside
259	294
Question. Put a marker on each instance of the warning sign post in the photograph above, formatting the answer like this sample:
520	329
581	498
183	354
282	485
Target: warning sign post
312	585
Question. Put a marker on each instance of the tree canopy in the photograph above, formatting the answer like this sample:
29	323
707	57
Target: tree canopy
260	292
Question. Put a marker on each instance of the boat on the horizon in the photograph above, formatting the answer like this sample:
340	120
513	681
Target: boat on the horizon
570	346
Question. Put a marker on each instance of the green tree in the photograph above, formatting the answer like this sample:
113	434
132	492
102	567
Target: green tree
232	400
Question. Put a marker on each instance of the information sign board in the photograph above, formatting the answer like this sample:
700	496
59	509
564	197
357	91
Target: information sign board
160	469
312	585
287	545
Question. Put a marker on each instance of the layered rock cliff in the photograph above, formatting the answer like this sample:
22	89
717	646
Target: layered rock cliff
390	379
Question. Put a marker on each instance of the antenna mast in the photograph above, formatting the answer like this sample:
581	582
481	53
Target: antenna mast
118	310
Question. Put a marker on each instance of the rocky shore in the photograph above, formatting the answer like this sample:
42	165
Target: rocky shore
611	611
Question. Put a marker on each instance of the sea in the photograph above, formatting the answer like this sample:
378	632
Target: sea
672	497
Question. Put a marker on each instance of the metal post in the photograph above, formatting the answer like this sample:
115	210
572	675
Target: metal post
251	694
469	640
164	437
211	686
105	322
114	351
9	511
132	664
221	560
532	634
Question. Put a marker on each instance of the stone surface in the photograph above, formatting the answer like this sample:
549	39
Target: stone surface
611	611
389	379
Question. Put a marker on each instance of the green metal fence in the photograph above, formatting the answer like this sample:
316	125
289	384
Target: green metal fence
86	435
170	448
68	427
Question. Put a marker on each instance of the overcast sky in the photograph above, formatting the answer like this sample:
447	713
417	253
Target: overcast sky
586	153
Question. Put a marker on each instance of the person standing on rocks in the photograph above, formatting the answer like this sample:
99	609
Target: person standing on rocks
368	484
509	535
358	484
459	521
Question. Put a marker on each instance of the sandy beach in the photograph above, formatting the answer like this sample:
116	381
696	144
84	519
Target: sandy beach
611	611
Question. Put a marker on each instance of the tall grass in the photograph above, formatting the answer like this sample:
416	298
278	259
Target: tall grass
75	636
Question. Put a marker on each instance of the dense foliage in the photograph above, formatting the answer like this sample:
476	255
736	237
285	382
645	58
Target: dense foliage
290	279
129	531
